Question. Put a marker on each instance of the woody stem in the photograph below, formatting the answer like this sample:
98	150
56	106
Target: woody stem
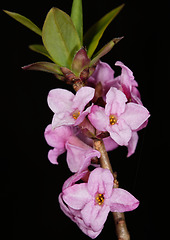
119	218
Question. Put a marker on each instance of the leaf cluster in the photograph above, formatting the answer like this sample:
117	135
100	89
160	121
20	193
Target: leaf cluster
63	40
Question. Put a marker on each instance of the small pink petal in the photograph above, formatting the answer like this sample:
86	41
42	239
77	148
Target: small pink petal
120	132
76	196
59	99
103	73
110	144
122	201
79	154
115	102
100	181
73	179
135	115
62	119
94	215
57	137
98	118
83	96
132	144
82	116
54	153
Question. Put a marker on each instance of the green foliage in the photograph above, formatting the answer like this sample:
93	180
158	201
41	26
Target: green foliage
39	48
63	42
44	66
77	18
104	50
60	37
25	21
94	34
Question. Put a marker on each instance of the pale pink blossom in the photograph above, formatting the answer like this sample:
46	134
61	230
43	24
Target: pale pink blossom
75	215
128	84
79	154
118	117
103	74
57	139
91	202
69	109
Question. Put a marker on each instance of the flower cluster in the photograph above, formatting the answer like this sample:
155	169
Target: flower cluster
106	107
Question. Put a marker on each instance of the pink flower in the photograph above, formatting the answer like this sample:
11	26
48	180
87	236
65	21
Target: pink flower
79	154
69	109
125	82
103	74
119	118
92	201
128	84
57	138
75	215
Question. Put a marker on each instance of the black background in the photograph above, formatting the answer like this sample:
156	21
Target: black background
30	184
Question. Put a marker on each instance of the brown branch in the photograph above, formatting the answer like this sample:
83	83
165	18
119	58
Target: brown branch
119	218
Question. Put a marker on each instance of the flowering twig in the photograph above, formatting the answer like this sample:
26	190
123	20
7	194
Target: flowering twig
104	113
119	218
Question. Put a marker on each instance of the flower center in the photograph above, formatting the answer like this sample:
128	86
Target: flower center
76	114
99	199
112	119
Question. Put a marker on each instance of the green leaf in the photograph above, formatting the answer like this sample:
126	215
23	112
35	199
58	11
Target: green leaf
25	21
77	18
44	66
104	50
60	37
39	48
94	34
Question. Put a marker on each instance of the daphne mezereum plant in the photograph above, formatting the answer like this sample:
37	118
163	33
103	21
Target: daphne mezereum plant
104	112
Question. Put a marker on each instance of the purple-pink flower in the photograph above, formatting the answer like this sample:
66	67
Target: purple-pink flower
79	154
125	82
128	84
69	109
88	204
118	117
103	74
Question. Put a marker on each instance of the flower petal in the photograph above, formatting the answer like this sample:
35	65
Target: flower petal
126	79
64	208
132	144
83	96
62	119
103	73
73	179
120	132
79	156
82	116
87	230
135	115
60	100
115	102
54	153
110	144
57	137
100	181
94	215
98	118
122	201
76	196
